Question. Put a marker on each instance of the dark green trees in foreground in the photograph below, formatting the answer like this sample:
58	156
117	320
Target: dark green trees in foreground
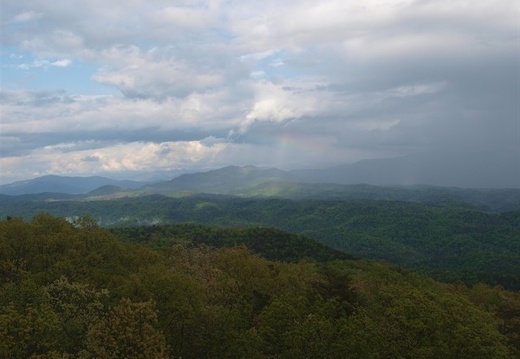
78	291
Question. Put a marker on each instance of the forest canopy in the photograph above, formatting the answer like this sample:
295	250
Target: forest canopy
75	290
450	243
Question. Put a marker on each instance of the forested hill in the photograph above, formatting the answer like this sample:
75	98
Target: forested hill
270	243
450	243
77	291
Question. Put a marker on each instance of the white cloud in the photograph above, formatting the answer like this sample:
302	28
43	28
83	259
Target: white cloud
26	16
41	63
134	157
159	78
278	103
61	63
179	17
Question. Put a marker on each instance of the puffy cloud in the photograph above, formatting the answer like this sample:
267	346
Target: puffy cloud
160	73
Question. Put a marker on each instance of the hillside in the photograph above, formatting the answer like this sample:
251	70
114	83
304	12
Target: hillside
480	199
74	290
227	180
448	242
267	242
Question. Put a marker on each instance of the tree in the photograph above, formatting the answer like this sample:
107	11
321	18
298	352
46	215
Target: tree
78	307
33	330
128	331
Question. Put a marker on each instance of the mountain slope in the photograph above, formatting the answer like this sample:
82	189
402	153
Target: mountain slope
482	199
227	180
250	181
270	243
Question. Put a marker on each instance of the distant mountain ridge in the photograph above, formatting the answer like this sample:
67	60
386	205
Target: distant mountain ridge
64	184
255	182
230	180
475	170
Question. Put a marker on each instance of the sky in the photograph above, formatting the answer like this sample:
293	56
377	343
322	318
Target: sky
133	87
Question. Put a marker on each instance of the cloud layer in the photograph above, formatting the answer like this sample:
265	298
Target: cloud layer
201	84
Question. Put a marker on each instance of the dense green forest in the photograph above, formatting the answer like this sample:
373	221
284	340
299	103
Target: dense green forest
76	290
452	244
268	242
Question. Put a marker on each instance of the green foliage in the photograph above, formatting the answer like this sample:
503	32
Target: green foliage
127	331
429	231
270	243
77	291
34	329
451	244
408	322
78	307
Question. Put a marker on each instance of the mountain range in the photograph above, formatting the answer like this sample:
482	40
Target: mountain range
231	180
250	181
440	170
64	184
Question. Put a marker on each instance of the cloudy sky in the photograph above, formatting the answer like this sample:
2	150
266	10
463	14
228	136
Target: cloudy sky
120	88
